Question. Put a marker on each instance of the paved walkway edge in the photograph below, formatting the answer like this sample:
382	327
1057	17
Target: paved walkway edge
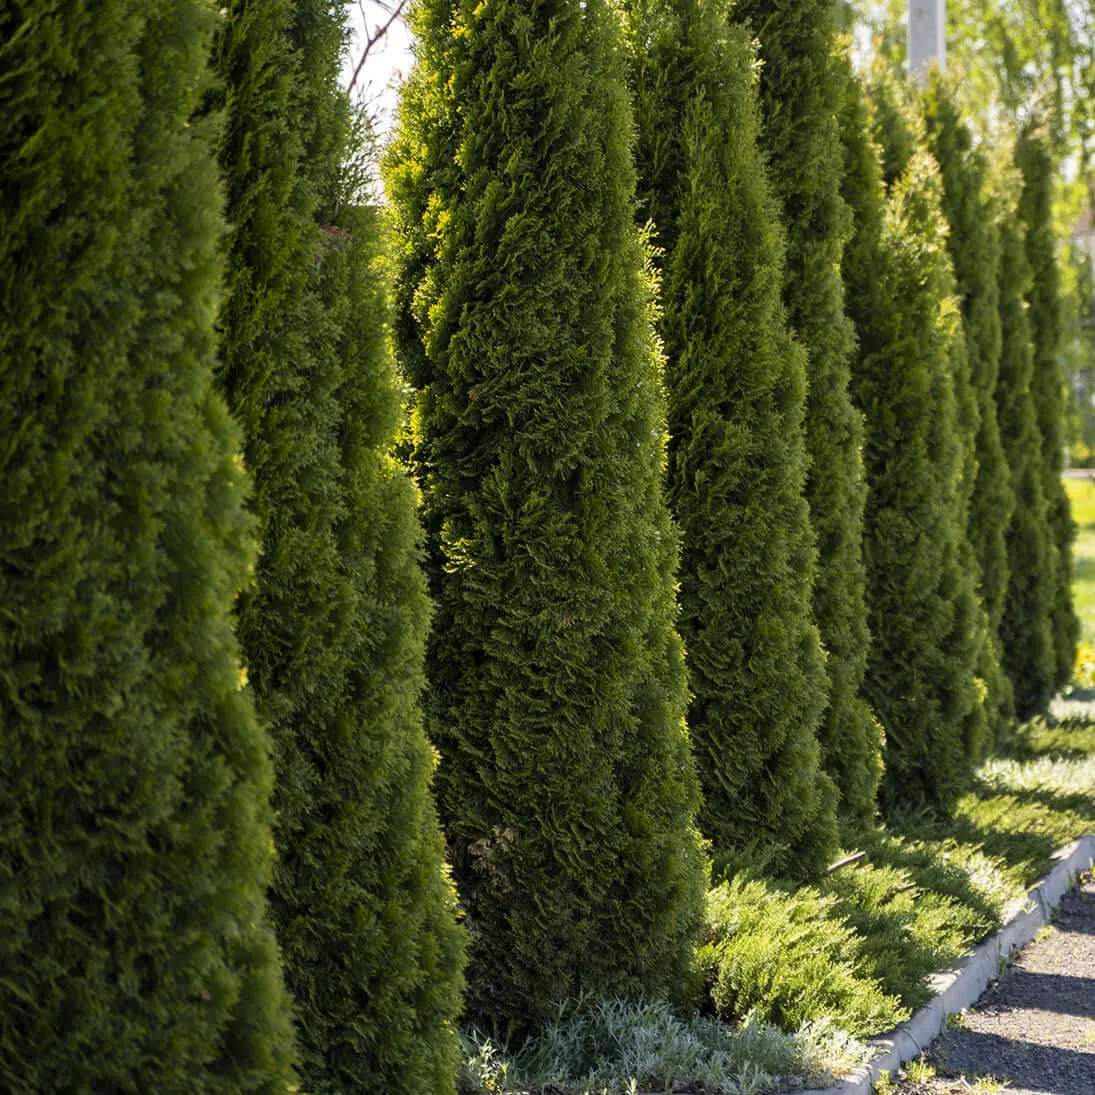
959	988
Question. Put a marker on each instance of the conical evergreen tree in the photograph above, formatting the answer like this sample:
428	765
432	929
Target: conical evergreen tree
1026	626
898	128
334	627
801	91
974	248
1032	156
134	784
557	677
737	461
921	670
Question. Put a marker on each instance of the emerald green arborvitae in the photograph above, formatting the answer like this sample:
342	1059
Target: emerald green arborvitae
974	249
334	627
1032	156
899	129
557	677
921	671
737	460
1026	627
801	89
135	846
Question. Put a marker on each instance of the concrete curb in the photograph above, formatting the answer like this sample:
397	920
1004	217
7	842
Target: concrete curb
959	988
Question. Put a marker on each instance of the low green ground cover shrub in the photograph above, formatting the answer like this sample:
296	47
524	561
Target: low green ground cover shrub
858	948
611	1046
790	957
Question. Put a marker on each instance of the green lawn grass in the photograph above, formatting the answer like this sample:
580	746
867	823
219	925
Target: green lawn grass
1081	493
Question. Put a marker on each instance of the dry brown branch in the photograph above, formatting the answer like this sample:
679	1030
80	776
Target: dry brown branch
393	10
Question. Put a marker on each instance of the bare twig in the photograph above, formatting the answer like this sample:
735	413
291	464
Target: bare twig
394	10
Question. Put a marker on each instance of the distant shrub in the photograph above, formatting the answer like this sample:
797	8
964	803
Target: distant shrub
974	247
925	617
1026	623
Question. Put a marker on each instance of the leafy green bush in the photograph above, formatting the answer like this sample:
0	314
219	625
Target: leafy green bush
737	460
334	627
135	845
789	958
907	929
557	676
1047	385
801	90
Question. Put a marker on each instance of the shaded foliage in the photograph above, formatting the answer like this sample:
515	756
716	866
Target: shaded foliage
922	664
334	627
801	90
737	461
974	248
1047	386
1026	631
557	676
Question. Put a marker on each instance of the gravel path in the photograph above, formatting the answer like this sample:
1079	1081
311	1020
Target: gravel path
1034	1030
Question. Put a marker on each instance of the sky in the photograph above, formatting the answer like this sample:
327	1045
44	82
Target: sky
388	63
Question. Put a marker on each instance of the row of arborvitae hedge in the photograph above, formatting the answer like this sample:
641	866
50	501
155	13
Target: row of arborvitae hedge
824	400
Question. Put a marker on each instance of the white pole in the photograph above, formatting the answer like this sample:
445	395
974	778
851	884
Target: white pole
927	37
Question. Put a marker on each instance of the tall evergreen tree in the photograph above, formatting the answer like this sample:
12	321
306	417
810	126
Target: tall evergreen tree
557	676
974	248
801	91
898	127
334	627
921	670
737	460
1026	626
134	784
1034	160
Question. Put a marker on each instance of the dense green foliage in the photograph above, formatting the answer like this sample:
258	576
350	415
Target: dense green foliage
921	674
334	627
974	249
1026	631
737	454
1047	384
134	786
789	958
801	91
557	677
